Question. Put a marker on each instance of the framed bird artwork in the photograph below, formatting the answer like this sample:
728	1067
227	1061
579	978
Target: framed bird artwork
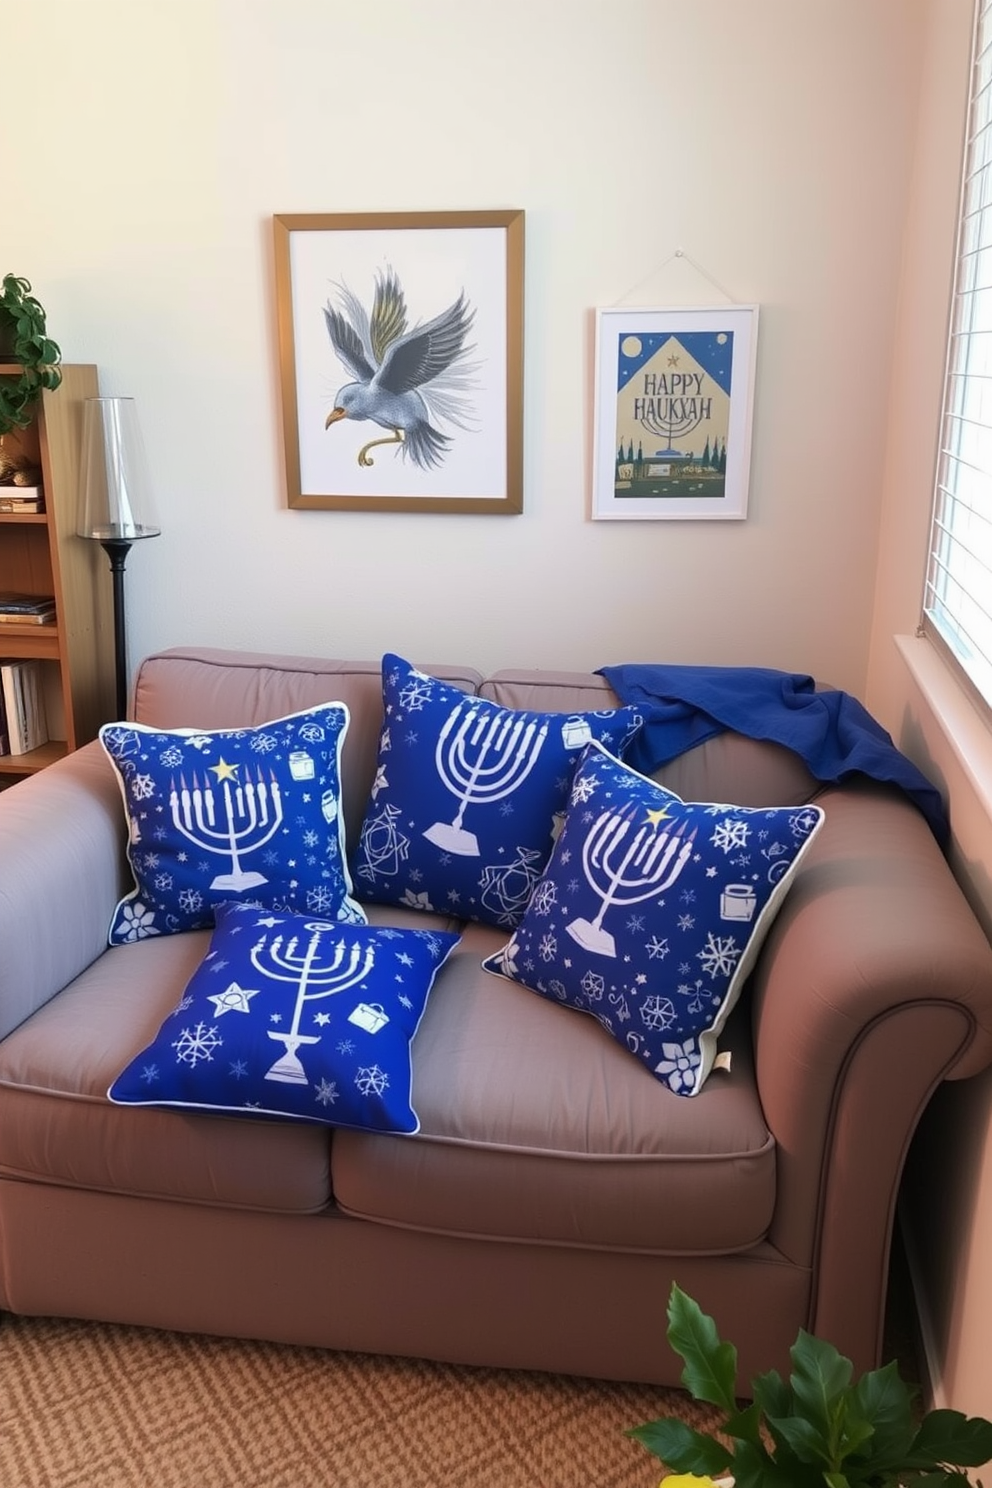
401	360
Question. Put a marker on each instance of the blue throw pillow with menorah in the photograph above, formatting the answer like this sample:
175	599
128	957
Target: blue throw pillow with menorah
251	814
468	795
294	1016
652	910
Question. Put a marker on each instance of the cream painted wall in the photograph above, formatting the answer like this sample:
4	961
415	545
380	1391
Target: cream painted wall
947	1202
923	273
771	140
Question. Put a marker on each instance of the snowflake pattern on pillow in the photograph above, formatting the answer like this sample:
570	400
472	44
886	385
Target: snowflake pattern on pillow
652	910
251	814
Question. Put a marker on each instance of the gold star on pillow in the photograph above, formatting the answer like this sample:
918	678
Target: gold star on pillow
224	771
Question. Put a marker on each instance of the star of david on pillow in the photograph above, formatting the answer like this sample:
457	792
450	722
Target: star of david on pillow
467	796
294	1016
652	910
221	814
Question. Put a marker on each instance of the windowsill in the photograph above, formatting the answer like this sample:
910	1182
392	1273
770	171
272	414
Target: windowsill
964	727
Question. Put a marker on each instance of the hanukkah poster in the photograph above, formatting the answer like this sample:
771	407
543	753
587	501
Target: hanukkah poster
674	396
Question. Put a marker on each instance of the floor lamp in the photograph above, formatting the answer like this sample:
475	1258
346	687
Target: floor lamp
115	507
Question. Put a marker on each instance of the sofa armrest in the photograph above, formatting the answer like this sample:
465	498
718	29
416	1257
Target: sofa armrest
62	869
875	984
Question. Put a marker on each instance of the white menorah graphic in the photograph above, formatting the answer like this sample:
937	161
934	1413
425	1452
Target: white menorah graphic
624	872
246	815
316	974
481	759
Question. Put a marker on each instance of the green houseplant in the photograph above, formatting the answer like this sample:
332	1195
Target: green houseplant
819	1429
24	338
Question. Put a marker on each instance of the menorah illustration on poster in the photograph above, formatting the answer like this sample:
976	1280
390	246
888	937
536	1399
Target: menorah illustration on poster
673	412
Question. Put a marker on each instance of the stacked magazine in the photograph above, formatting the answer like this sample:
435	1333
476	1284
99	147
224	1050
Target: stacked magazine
27	609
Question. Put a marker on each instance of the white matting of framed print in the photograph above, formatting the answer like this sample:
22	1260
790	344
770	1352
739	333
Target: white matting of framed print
673	408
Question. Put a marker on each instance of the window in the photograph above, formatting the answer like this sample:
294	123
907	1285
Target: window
958	597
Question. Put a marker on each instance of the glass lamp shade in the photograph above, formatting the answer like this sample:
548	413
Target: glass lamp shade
115	502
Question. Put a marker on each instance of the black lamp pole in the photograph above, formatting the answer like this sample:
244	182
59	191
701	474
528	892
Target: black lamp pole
117	549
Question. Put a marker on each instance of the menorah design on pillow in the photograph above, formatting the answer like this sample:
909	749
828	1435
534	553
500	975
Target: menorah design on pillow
316	973
626	866
233	821
483	757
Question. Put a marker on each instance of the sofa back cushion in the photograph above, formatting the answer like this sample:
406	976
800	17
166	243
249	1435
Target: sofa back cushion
729	767
211	689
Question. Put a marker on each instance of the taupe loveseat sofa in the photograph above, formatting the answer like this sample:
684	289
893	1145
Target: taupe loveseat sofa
555	1189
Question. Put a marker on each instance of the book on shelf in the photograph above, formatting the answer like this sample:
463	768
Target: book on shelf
41	617
27	609
24	499
23	705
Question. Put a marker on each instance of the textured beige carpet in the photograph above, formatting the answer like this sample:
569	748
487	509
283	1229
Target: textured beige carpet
93	1406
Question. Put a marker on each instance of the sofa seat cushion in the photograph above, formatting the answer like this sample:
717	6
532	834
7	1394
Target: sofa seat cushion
537	1126
57	1126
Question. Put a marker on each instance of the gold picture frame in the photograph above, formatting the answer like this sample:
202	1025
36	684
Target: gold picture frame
401	360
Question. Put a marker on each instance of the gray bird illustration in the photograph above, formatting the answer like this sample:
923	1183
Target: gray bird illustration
403	379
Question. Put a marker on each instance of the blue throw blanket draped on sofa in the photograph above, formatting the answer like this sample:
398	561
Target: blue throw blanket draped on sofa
831	731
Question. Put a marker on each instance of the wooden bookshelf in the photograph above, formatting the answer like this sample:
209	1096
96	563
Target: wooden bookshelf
35	759
40	553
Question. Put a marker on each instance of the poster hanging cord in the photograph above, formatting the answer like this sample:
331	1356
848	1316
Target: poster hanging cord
679	253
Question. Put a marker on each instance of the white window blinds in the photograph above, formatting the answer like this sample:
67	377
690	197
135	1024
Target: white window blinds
958	596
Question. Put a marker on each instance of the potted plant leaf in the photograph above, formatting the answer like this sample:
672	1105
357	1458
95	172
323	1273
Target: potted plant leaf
821	1428
24	338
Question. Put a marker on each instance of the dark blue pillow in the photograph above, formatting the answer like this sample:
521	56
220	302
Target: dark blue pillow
468	795
293	1016
652	910
251	814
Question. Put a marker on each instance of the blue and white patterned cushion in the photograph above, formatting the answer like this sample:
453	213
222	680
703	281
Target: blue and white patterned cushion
652	910
463	809
294	1016
250	814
